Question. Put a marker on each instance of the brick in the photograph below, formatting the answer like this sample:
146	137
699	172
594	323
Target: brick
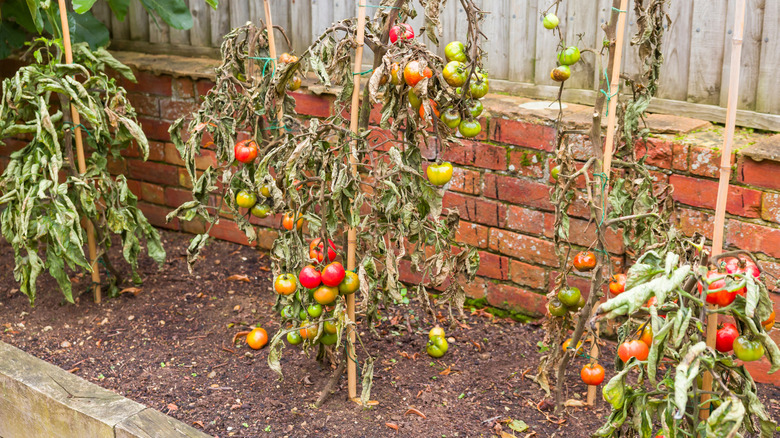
476	289
195	226
312	105
152	193
203	86
228	230
156	151
658	178
656	152
531	135
705	161
206	158
493	266
266	238
149	83
770	207
472	234
156	215
583	233
183	88
174	109
526	248
517	191
680	154
581	283
134	187
153	172
526	163
759	173
407	274
184	179
476	209
116	166
528	275
527	221
754	238
580	145
693	221
488	156
10	145
145	105
516	299
703	193
132	151
465	181
175	197
155	129
459	153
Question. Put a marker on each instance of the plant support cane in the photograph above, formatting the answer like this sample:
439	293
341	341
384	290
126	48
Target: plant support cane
80	153
269	25
723	186
612	102
352	233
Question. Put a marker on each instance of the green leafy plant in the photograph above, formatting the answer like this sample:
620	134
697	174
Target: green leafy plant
43	196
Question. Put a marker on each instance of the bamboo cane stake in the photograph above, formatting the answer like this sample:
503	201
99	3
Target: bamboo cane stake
80	152
723	183
352	233
269	25
611	128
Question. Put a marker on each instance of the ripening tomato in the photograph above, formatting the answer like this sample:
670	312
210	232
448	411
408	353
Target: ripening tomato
454	73
450	117
295	83
469	128
556	308
401	31
265	191
646	335
475	108
330	327
437	347
257	338
748	350
286	58
629	349
725	336
260	210
317	252
567	343
436	332
584	261
560	73
550	21
478	88
309	277
455	51
717	281
434	109
309	333
287	221
245	151
617	284
285	284
569	296
592	374
294	338
749	267
350	284
326	294
569	56
246	199
770	322
414	73
395	73
332	275
439	174
414	100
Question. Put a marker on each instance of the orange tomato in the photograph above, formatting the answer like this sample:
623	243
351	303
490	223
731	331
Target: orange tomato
646	335
285	284
257	338
592	374
326	294
287	221
617	284
434	108
395	73
414	74
308	333
770	322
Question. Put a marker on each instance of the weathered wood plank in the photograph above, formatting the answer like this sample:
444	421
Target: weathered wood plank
139	22
151	424
677	51
200	34
300	26
496	28
603	15
219	21
767	100
179	36
751	53
704	77
547	43
159	32
103	13
582	21
120	30
522	39
239	13
321	16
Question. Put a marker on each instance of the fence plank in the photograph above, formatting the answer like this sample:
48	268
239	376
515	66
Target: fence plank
300	26
522	39
704	77
159	32
180	36
120	30
200	34
603	15
321	16
103	13
768	80
582	20
239	13
751	52
220	23
496	28
632	65
677	51
547	44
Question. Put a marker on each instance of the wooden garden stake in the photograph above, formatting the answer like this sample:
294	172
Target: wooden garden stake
352	233
612	102
723	186
80	152
269	25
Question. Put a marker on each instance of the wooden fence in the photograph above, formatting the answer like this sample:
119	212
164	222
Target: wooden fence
521	52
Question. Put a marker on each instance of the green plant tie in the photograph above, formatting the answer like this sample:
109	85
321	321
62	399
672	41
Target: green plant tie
267	60
380	7
363	72
617	10
604	181
72	126
277	127
608	93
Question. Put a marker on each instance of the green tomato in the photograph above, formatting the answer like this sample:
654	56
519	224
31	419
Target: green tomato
550	21
455	73
246	199
556	308
261	210
439	174
569	55
330	327
748	350
328	338
469	128
302	315
287	312
581	303
455	51
414	100
560	73
437	347
314	310
475	108
450	117
569	296
554	172
479	88
294	338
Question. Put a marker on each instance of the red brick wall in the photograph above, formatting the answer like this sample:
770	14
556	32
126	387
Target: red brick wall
500	186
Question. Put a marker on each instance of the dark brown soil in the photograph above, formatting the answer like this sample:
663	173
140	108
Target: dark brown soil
169	347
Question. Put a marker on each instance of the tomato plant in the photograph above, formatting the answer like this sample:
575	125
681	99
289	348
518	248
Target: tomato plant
43	196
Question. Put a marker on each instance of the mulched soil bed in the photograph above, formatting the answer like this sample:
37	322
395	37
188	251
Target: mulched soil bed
169	347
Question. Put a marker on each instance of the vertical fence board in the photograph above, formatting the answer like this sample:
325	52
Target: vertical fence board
751	52
603	14
103	13
632	65
704	77
180	36
677	51
139	22
159	32
522	19
582	21
300	26
239	13
200	34
120	30
219	23
321	16
547	42
496	28
768	79
449	28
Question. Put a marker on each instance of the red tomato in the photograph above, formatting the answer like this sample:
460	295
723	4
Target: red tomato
316	251
401	30
749	267
617	285
245	151
724	339
310	277
637	349
721	298
333	274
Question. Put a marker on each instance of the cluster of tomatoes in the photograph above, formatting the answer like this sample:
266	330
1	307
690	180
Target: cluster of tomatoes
566	57
245	152
320	288
437	342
